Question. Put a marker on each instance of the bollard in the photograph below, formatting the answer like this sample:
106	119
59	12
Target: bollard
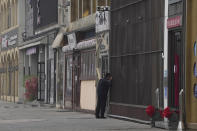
157	97
181	124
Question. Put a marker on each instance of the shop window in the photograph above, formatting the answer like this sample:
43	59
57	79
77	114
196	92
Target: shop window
195	48
195	72
195	90
88	66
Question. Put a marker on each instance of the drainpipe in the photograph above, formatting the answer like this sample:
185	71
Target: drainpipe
165	56
184	54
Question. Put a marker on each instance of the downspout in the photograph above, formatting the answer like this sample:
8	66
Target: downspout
185	57
165	56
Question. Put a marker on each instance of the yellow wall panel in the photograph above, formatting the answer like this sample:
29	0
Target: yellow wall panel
191	101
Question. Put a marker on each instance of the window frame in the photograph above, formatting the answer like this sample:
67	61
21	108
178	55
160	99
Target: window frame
88	65
9	15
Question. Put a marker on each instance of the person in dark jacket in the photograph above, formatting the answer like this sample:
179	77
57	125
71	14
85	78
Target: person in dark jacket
102	91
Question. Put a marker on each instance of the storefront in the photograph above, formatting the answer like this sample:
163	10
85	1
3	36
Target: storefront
80	73
34	64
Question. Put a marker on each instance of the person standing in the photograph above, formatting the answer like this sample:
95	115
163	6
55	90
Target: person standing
102	91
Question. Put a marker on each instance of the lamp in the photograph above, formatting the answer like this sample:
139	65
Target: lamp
41	50
24	35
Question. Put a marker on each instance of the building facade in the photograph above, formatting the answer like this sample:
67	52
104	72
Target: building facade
36	52
190	55
9	39
80	55
136	59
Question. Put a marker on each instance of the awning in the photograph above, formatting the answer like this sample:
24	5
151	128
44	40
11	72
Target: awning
58	40
34	42
67	48
86	44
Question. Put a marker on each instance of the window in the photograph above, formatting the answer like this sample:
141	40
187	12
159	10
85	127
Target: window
74	11
94	6
86	7
8	14
88	65
16	12
82	8
103	2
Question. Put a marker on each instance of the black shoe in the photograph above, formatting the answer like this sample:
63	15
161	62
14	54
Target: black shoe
97	117
102	117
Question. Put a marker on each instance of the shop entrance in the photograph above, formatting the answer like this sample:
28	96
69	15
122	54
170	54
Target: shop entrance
69	82
105	65
41	81
174	66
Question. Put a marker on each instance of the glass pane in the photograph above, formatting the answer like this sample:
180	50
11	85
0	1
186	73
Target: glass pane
101	2
74	10
86	7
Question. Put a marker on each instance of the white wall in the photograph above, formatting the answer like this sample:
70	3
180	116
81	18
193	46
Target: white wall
88	95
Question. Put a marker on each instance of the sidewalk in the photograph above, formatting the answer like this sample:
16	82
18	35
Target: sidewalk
19	117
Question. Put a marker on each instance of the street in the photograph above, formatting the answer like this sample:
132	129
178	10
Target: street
19	117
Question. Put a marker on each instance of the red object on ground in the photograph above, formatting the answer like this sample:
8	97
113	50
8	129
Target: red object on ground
167	113
150	110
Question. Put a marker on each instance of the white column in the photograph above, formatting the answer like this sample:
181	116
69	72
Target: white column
45	73
57	73
64	81
165	55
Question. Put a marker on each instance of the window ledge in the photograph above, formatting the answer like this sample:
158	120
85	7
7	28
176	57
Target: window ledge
8	30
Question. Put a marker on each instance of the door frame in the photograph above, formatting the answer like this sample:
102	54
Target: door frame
171	51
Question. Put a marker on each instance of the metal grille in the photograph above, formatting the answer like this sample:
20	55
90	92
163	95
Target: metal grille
136	50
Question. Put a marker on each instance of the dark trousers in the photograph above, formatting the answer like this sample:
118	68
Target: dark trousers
100	107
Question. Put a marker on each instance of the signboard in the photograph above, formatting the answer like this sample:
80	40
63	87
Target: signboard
103	43
102	19
174	22
31	51
72	40
9	39
86	44
173	1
